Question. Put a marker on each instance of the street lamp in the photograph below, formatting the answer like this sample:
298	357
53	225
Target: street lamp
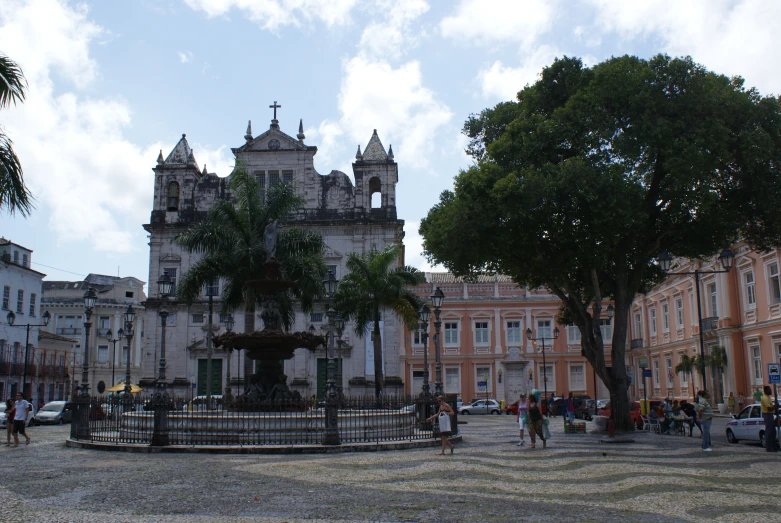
161	399
726	258
331	435
229	323
424	314
209	341
109	337
11	317
90	297
436	300
130	316
544	363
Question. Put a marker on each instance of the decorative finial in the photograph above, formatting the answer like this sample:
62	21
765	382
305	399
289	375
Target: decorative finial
300	134
191	158
248	136
375	132
390	152
184	136
160	159
205	172
358	155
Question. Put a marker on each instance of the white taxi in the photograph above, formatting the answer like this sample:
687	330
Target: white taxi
748	425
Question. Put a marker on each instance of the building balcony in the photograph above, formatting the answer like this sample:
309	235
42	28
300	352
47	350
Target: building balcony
636	344
65	331
710	324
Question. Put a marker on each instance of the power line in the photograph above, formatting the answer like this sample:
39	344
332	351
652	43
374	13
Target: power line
56	269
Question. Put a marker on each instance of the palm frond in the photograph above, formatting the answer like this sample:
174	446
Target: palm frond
14	195
13	84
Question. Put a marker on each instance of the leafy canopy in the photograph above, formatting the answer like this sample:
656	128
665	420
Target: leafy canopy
14	195
231	239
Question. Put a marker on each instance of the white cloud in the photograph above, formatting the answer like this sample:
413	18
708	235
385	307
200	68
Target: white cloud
273	14
500	20
503	82
375	95
95	183
729	37
413	249
185	57
391	37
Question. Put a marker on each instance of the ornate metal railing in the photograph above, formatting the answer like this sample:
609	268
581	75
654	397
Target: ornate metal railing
710	324
253	423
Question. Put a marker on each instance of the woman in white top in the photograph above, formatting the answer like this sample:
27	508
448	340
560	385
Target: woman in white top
443	419
523	409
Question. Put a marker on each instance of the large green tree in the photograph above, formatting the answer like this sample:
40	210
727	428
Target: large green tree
231	240
372	285
14	195
581	182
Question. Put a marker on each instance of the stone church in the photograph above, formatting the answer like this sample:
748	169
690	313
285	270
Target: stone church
350	217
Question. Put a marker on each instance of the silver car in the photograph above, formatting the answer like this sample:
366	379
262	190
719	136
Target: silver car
489	406
54	412
30	415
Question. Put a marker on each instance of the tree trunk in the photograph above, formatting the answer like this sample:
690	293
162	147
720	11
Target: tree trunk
379	380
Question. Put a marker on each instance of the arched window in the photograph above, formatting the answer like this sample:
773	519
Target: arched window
173	197
375	193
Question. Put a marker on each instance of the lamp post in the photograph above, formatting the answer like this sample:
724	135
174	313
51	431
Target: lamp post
130	316
162	402
436	300
81	400
725	257
11	317
544	363
110	337
331	436
209	343
229	323
424	315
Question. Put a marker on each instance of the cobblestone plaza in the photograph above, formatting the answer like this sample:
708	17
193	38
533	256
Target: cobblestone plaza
489	478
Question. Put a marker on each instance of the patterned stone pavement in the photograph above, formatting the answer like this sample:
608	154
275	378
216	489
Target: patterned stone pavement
654	479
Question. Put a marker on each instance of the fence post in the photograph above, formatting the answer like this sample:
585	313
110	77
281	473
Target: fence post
162	404
80	420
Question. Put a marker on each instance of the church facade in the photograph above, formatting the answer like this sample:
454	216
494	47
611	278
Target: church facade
351	217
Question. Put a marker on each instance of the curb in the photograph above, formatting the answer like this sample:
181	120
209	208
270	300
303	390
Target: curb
259	449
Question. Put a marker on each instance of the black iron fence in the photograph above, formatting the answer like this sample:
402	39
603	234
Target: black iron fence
254	423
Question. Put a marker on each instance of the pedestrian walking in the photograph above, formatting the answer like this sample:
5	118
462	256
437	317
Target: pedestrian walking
732	402
523	416
535	422
570	408
741	401
705	415
20	418
10	410
769	415
443	419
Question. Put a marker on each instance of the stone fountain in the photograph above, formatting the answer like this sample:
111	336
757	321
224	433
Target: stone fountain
269	347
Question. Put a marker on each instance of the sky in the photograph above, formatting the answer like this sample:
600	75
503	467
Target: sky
113	83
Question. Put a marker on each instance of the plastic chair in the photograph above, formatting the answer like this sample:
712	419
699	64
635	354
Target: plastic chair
652	426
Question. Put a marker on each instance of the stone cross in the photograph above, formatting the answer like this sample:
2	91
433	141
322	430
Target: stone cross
275	107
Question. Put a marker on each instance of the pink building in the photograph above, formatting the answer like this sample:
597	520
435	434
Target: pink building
741	312
484	350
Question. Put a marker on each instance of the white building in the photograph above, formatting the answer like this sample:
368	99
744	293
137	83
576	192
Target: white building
107	361
351	217
21	295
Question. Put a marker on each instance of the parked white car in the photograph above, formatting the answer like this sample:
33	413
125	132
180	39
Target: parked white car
30	415
748	425
490	406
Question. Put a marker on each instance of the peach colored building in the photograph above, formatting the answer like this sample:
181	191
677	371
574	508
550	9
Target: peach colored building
741	312
484	350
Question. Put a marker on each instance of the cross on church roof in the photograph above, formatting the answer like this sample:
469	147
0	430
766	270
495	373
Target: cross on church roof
275	107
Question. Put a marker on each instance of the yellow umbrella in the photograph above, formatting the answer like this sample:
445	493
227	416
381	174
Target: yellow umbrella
120	387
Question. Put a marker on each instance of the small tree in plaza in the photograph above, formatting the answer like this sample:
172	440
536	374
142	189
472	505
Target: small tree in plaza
579	184
372	285
717	361
686	366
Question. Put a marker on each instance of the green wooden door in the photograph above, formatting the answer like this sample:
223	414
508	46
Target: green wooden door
216	376
322	375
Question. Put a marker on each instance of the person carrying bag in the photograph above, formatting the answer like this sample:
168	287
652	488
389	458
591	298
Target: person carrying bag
443	420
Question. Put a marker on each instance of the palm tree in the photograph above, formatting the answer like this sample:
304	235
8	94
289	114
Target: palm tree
687	366
14	195
231	239
370	286
717	361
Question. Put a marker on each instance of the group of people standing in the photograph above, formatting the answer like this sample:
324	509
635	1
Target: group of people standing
16	419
